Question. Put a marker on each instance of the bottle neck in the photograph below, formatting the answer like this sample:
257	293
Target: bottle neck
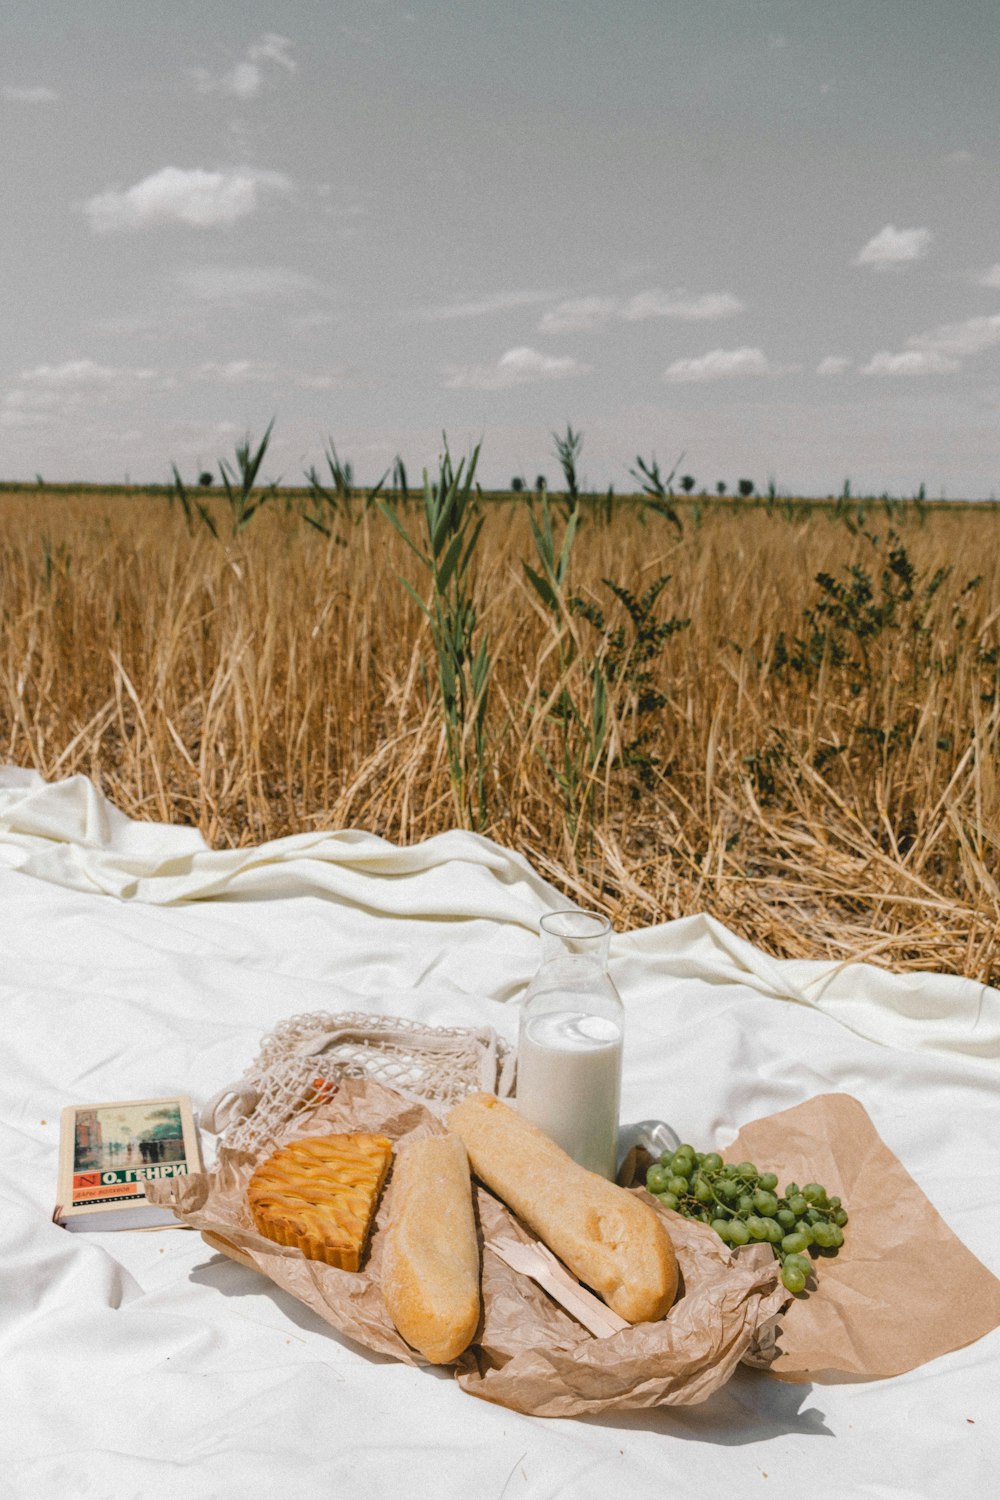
575	939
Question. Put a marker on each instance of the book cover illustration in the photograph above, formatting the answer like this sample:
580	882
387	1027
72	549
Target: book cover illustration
110	1151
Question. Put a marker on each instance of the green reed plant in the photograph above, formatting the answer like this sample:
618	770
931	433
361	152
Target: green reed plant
581	734
239	482
656	488
567	452
335	503
178	491
452	526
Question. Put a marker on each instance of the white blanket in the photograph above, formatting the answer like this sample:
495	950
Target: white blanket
134	962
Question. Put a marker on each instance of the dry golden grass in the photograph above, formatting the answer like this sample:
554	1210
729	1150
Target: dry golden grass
280	682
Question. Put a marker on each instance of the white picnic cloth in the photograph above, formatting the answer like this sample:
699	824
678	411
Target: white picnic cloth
135	963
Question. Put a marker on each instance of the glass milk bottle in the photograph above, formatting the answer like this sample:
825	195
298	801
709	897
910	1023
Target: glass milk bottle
569	1052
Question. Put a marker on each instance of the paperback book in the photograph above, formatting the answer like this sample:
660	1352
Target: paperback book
108	1152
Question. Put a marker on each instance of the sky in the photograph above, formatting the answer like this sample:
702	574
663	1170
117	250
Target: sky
757	238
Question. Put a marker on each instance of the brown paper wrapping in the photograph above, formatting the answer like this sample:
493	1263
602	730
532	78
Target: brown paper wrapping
528	1353
901	1290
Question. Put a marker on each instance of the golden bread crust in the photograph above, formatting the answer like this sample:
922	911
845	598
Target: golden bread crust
430	1259
608	1237
319	1194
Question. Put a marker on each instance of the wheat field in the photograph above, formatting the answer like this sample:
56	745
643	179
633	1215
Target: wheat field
807	752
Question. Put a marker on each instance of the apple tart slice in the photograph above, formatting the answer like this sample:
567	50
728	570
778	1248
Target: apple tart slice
319	1195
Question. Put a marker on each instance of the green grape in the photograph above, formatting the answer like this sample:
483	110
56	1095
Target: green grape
656	1179
793	1278
744	1205
802	1262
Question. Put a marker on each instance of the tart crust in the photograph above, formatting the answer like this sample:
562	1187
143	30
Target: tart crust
319	1195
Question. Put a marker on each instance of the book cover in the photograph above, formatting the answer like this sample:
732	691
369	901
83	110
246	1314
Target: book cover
108	1152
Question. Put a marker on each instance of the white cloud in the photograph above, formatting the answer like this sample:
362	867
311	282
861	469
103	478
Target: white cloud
990	278
519	366
235	285
325	380
177	195
894	247
477	307
32	408
47	392
680	304
79	374
578	315
235	371
970	337
719	364
35	94
584	314
34	400
910	362
253	371
833	364
14	419
245	80
940	350
272	48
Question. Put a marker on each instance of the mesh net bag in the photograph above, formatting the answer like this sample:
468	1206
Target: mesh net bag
300	1061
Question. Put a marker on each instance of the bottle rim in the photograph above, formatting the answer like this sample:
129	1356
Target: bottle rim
574	923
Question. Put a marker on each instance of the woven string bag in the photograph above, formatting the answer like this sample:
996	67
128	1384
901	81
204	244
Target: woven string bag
302	1058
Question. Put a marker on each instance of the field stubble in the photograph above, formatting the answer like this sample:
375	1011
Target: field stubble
814	763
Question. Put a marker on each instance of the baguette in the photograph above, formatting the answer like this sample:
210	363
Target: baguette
609	1238
430	1261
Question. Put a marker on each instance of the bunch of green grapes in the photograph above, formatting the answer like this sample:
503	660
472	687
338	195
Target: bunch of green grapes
742	1204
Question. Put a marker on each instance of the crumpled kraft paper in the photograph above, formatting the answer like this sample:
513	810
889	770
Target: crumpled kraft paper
903	1288
528	1353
